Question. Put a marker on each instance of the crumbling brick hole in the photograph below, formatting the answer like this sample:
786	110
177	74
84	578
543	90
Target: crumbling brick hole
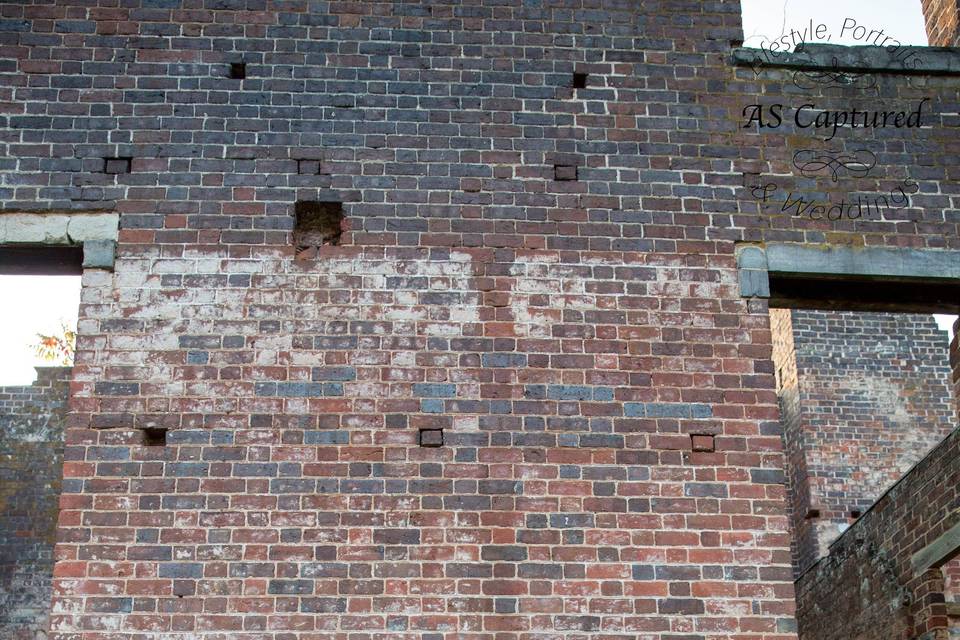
317	224
238	70
154	437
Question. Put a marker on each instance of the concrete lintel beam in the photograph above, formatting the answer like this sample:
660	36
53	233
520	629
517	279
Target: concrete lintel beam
868	58
863	262
57	228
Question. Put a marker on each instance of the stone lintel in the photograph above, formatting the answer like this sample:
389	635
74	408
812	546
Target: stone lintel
879	263
870	58
96	232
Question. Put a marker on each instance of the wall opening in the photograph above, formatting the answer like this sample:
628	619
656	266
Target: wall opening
37	335
863	395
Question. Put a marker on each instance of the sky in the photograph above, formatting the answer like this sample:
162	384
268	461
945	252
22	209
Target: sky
39	304
33	304
847	21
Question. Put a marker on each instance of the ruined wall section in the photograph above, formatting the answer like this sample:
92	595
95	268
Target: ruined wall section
32	420
875	398
866	588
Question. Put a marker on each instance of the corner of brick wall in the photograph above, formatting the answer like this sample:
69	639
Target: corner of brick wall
942	19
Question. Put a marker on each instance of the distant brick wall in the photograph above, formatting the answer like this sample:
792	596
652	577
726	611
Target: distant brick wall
863	397
943	22
866	588
31	456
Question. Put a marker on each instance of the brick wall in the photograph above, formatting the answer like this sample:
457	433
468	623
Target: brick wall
544	272
802	543
866	587
864	396
943	28
31	455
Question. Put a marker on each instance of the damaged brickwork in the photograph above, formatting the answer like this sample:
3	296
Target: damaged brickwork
868	587
544	271
863	397
31	456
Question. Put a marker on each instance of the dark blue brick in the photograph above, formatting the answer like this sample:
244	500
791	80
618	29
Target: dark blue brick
326	437
431	405
117	388
569	392
186	469
192	570
504	360
326	374
434	390
259	469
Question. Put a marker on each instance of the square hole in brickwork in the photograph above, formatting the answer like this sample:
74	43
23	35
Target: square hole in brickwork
431	437
41	288
117	165
564	172
703	442
238	70
154	437
580	80
317	224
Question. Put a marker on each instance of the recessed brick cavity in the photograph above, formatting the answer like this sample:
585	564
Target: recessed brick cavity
117	165
564	172
318	224
155	437
431	437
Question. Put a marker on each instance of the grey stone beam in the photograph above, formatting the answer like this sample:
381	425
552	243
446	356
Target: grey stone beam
904	60
870	262
753	271
95	232
938	551
99	254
